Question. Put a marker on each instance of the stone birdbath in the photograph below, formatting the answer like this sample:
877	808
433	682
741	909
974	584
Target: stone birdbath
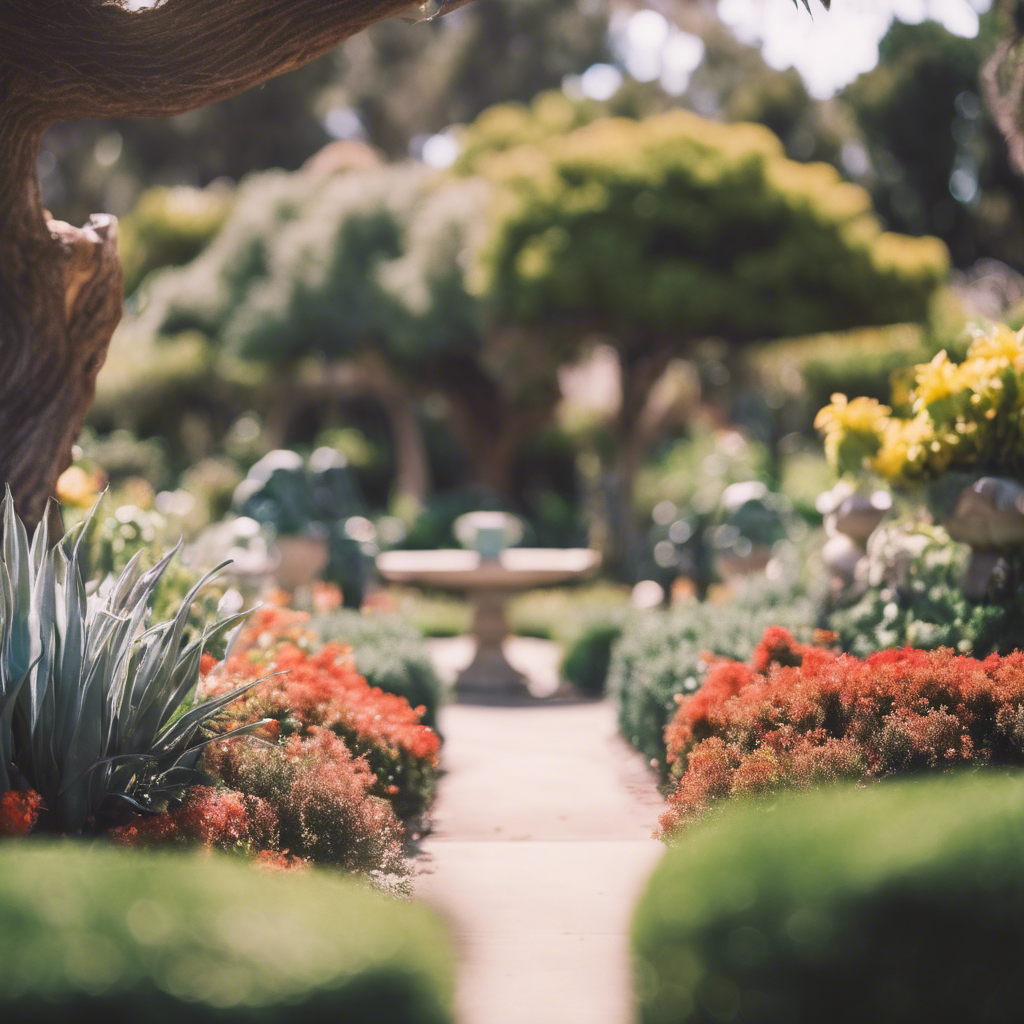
488	575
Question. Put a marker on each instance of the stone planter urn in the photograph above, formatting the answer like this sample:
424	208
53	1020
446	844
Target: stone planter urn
987	514
851	513
301	560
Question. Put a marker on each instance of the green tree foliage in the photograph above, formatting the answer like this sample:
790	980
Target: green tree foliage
677	228
328	266
368	267
939	163
660	232
169	227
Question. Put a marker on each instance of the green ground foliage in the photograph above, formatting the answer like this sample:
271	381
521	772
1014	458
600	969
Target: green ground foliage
662	654
389	653
914	598
902	903
96	933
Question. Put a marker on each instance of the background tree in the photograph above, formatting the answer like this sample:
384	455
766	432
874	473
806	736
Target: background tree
938	162
389	85
60	287
658	233
355	284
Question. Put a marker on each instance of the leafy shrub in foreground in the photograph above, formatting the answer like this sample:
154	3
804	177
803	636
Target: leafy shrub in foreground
99	934
91	701
899	904
389	654
796	716
665	654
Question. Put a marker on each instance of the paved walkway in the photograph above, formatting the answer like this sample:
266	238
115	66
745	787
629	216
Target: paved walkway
541	845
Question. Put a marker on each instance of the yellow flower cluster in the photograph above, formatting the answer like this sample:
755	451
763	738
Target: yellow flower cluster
965	416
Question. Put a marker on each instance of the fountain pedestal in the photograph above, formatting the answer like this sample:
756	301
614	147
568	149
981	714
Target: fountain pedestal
489	582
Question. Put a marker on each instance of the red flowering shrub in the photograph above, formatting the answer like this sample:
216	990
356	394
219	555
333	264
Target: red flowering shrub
321	796
215	819
326	774
799	715
324	690
304	800
18	812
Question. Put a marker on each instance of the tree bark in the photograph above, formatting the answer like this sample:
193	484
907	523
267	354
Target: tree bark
635	427
1002	81
489	428
60	286
60	300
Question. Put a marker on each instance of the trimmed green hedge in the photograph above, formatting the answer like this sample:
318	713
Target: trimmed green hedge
389	654
660	654
588	656
93	933
900	904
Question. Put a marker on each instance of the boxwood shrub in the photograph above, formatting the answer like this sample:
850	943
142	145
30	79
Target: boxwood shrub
588	655
661	654
903	902
101	934
389	653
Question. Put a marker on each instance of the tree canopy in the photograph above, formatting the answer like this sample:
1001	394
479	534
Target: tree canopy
676	227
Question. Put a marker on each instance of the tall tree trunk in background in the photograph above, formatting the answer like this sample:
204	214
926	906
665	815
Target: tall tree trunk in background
60	286
636	424
372	378
490	429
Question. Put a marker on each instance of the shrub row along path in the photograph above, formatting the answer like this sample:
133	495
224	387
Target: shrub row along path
541	845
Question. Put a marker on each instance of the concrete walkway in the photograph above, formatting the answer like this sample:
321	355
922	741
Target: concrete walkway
541	844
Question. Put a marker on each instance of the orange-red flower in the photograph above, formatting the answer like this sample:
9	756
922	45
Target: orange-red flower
799	715
19	811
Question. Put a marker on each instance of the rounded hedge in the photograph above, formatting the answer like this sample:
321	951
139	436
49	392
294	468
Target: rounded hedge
589	656
900	903
98	933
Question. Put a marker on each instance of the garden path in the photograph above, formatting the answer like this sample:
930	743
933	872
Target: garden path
541	844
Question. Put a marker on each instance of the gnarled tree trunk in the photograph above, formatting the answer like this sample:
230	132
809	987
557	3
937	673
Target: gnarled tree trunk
60	300
60	286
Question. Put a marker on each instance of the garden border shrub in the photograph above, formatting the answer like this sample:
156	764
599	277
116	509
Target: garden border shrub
901	903
95	933
660	654
389	654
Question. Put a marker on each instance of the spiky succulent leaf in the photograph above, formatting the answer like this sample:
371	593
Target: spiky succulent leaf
89	696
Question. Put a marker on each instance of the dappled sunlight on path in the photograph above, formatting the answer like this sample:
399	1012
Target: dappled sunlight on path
540	848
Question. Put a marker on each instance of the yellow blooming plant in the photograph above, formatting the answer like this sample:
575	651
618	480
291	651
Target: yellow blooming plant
965	417
853	431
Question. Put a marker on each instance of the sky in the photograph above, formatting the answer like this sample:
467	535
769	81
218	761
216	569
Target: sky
829	48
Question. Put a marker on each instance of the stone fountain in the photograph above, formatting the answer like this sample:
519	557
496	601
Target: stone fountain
489	570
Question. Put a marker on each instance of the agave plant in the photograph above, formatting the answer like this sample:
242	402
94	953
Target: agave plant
93	701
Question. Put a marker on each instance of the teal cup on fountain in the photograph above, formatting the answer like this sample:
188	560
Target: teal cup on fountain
488	533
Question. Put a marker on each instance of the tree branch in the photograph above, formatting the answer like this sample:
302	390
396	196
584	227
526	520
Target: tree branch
74	59
1002	81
